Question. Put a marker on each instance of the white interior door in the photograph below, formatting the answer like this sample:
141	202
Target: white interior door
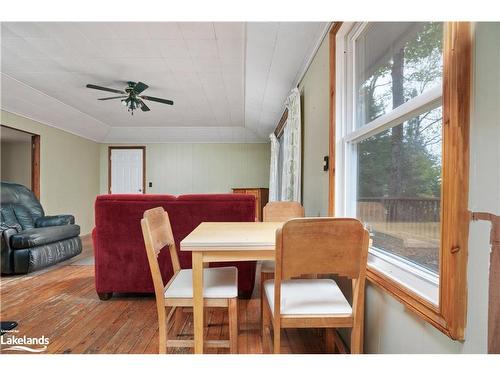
126	171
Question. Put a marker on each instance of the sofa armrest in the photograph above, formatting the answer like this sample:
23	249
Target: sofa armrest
51	221
7	266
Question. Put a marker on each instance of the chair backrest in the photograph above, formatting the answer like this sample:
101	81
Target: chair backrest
333	246
157	234
282	211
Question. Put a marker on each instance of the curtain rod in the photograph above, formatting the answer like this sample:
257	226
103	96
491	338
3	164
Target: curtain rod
281	124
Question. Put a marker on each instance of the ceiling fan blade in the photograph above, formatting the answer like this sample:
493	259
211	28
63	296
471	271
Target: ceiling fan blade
140	87
159	100
113	97
144	107
95	87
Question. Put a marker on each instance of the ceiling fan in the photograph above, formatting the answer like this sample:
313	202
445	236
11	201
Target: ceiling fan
131	97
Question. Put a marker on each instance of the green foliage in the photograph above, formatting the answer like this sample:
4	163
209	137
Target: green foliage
420	168
419	161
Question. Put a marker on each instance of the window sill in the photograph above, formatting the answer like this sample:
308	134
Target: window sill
417	279
394	277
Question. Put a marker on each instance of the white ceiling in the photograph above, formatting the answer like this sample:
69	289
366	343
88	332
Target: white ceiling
228	80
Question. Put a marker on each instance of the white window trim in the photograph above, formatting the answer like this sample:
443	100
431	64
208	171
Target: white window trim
421	281
426	101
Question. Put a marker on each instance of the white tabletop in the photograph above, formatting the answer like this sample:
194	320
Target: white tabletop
220	236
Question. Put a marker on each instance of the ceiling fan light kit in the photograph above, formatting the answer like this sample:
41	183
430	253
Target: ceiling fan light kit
130	97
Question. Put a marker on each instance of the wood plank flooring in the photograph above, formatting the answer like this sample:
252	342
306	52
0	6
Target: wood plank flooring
62	305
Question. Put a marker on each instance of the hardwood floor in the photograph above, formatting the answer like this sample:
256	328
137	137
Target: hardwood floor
62	305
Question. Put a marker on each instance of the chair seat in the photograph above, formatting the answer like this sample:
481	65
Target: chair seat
219	282
267	266
309	297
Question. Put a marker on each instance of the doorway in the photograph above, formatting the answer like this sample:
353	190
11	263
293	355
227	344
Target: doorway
127	170
20	158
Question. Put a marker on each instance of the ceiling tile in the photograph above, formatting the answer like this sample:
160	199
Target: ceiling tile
178	66
96	30
164	30
125	48
130	30
228	80
7	32
200	48
20	47
229	30
197	30
174	48
230	50
207	65
24	29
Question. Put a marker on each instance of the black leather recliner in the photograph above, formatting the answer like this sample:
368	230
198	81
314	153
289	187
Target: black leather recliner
31	240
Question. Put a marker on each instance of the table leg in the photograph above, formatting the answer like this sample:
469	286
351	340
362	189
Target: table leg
198	301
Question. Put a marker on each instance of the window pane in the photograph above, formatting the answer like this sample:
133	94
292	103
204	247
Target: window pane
399	188
395	61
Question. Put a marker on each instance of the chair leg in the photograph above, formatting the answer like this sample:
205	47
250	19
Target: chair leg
162	332
261	291
265	322
357	340
263	277
233	325
330	346
277	336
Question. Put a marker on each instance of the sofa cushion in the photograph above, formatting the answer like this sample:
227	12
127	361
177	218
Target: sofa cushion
35	258
41	236
15	194
24	217
53	221
8	216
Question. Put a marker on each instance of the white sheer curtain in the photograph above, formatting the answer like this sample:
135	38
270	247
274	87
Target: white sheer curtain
291	174
273	172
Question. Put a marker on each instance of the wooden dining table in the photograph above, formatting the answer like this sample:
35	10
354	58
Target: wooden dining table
225	242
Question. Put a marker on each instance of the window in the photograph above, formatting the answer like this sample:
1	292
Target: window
394	143
398	90
399	188
395	62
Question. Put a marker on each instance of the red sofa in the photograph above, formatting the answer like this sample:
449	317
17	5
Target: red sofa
121	264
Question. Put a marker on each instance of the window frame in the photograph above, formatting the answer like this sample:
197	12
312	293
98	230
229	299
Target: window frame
449	314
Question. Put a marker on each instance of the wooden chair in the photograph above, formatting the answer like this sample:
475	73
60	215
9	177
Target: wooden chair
282	211
220	285
278	212
337	246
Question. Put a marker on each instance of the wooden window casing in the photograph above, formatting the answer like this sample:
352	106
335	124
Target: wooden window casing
449	316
